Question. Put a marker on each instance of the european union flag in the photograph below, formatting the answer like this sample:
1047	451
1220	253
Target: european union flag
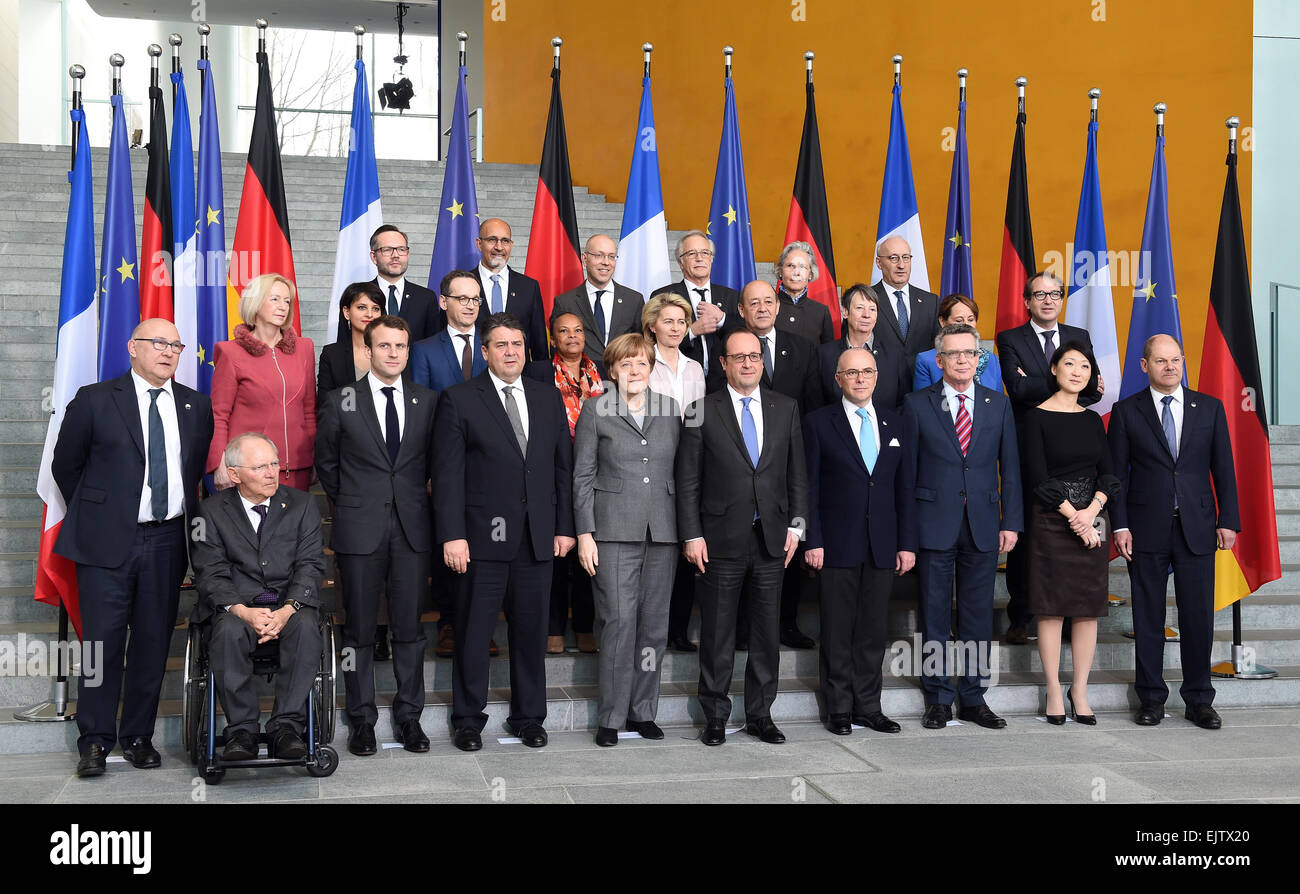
454	245
211	261
956	275
119	305
733	265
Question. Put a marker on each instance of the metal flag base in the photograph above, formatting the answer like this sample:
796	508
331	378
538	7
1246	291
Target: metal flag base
60	709
1241	668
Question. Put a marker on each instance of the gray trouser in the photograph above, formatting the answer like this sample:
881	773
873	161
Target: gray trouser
230	648
632	589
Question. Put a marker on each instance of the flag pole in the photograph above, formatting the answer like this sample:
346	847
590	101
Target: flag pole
1020	95
462	37
155	51
727	53
557	42
962	74
808	61
204	30
175	40
898	70
1160	108
647	49
76	72
1094	95
360	32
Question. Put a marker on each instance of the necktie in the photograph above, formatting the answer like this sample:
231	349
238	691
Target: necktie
704	347
963	424
1048	348
466	360
867	440
767	356
749	431
600	316
1171	433
517	423
261	519
392	428
158	458
496	294
901	306
392	300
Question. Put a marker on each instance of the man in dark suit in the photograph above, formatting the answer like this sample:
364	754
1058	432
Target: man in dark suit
964	440
607	309
372	456
391	254
909	314
507	290
861	531
807	318
128	461
258	564
503	476
1169	444
1025	354
713	306
742	507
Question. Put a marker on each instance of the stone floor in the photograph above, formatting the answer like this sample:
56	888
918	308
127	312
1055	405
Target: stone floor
1255	757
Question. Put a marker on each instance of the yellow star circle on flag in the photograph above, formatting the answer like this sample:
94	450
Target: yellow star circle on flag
213	216
1148	291
127	270
730	215
456	209
956	240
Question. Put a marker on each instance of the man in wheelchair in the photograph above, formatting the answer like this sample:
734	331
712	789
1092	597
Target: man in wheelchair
259	564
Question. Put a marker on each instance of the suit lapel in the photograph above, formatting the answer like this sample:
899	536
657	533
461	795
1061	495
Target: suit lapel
124	397
1147	409
769	423
944	416
844	429
276	506
234	508
979	416
498	411
414	414
891	312
366	407
727	412
1033	346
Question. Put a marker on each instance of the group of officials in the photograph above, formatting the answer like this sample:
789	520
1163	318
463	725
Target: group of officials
725	440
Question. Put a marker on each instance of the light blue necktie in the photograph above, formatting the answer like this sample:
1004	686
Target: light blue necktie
1171	434
867	440
496	294
749	431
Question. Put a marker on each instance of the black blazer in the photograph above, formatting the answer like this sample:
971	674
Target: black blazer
353	465
487	491
233	565
796	372
1150	477
923	325
419	310
728	300
809	319
99	466
524	301
336	369
719	489
893	382
626	317
1022	348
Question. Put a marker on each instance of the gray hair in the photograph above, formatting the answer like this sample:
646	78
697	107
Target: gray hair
806	249
677	252
234	453
955	329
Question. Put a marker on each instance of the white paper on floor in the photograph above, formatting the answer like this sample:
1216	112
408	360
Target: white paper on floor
391	745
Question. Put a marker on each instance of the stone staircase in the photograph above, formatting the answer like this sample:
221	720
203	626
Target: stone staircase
33	201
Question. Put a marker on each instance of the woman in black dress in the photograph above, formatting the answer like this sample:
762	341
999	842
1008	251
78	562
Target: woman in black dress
1069	473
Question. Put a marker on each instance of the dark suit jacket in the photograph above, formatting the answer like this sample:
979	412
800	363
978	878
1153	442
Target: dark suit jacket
435	361
487	491
523	300
892	381
923	323
625	317
795	368
353	465
948	485
1021	347
99	466
855	515
419	308
336	370
809	319
233	565
727	300
1150	477
719	489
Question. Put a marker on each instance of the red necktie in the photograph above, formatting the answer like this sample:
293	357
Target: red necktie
963	424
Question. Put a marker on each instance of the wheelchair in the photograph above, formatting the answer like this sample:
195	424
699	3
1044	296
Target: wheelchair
199	709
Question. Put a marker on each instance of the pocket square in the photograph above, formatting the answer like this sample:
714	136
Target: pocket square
893	442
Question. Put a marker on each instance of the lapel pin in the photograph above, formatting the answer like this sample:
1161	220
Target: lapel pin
618	301
988	400
282	505
883	422
792	319
415	400
783	352
1192	405
187	406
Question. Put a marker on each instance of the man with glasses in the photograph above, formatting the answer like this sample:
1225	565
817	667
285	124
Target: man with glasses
966	481
373	457
505	289
1025	354
910	313
713	306
390	252
797	269
128	461
606	308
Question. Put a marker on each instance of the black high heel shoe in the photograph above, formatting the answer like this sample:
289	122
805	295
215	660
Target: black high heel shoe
1054	719
1085	719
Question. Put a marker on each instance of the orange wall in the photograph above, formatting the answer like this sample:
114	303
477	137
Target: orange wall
1194	55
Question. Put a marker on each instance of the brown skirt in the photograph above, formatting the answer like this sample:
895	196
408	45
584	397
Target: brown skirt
1066	579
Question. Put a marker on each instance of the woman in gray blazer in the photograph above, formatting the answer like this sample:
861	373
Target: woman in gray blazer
624	448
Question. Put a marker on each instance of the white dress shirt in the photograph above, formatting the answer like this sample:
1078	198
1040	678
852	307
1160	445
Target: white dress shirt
381	404
755	410
906	289
606	302
950	396
1175	410
517	394
485	277
856	422
1038	334
770	338
172	438
254	518
459	339
400	283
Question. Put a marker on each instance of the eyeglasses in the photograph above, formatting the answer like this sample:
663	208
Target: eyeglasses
962	354
273	465
1055	295
601	257
393	251
465	300
894	259
701	254
161	344
497	240
755	357
856	373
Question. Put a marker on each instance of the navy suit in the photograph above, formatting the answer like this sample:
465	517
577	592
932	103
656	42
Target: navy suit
435	361
1172	513
960	510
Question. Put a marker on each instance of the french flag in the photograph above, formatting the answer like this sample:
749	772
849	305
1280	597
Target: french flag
361	214
643	243
899	214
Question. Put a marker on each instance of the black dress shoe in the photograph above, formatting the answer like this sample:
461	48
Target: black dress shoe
241	745
681	644
467	739
532	735
381	652
878	722
1085	719
766	730
287	745
1149	714
1203	716
839	724
936	716
1015	636
605	736
647	729
982	715
412	737
715	733
362	742
92	762
795	638
140	753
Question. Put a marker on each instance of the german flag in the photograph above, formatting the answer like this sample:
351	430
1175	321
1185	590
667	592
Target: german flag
553	253
810	219
1230	372
1017	240
156	241
262	231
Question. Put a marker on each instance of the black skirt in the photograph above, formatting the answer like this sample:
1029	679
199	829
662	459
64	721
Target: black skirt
1066	579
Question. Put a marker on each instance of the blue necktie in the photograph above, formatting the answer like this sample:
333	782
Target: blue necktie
902	313
749	431
261	519
392	300
867	440
600	316
157	458
1171	434
496	294
392	428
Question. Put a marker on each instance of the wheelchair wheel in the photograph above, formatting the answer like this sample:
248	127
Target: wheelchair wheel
323	690
192	695
327	761
214	777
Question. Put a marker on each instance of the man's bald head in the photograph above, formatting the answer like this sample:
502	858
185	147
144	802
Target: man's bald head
894	258
598	259
151	364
